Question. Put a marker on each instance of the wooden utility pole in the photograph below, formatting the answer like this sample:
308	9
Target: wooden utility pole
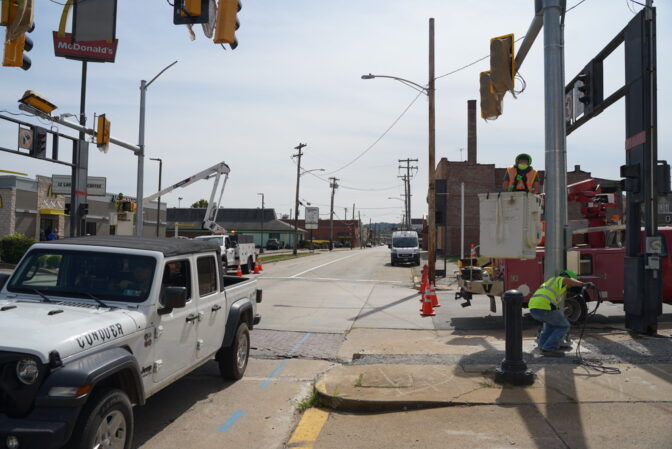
407	188
299	147
431	194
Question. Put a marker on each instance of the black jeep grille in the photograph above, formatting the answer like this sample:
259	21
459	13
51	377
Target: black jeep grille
16	398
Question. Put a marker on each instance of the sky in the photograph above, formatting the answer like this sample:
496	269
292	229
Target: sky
296	78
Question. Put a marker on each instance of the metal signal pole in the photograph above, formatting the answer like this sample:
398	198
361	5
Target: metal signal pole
334	186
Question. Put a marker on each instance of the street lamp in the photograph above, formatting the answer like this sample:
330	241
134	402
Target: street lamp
403	217
158	206
144	85
179	202
261	246
429	91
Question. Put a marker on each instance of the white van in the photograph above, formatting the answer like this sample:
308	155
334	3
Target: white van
405	248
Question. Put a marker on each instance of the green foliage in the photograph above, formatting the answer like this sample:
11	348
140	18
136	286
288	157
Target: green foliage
200	204
53	261
13	246
310	401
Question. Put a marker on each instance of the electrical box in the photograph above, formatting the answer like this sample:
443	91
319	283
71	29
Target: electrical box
510	224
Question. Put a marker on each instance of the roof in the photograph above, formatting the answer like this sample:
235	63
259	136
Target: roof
224	215
167	246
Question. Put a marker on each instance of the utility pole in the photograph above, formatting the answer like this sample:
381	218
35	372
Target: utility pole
298	155
361	233
345	217
158	206
334	186
353	211
261	244
407	179
431	194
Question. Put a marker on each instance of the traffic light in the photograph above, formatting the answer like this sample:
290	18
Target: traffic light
39	148
491	101
191	11
589	84
502	63
18	16
83	209
103	133
227	22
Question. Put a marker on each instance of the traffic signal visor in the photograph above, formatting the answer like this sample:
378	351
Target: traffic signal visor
37	101
491	101
502	63
103	133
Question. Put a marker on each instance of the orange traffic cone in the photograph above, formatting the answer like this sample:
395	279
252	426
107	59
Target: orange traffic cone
257	268
423	282
432	296
261	267
427	309
239	271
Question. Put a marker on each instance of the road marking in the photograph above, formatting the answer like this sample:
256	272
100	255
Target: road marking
299	343
231	421
337	280
323	265
274	373
309	428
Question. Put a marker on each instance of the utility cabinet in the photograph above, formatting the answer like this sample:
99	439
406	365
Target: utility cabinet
510	224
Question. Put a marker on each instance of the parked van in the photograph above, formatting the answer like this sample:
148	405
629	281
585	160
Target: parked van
405	248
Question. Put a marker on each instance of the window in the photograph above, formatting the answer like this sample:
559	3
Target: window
207	275
78	274
177	274
586	265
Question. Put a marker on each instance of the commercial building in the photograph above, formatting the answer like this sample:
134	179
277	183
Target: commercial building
28	206
347	233
187	222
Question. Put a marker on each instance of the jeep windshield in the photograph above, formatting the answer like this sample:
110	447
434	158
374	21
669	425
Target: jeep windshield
405	242
83	274
218	240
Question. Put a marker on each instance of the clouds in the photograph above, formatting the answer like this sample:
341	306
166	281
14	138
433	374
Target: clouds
295	77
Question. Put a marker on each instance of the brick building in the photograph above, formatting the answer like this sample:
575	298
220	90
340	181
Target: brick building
346	232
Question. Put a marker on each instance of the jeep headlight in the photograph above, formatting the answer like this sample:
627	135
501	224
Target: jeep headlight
27	371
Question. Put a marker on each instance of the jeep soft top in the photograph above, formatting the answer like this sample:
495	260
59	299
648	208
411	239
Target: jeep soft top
168	246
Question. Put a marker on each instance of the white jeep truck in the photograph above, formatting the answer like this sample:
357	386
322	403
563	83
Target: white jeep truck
91	326
236	249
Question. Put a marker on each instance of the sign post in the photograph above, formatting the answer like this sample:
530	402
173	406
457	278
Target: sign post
312	221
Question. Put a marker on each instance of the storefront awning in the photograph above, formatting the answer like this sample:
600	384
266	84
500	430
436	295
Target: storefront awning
52	212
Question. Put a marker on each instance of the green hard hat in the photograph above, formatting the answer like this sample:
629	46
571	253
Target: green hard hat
524	155
569	274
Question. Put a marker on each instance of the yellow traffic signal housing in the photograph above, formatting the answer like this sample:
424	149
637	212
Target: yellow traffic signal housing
227	22
491	101
103	133
4	12
32	98
502	63
13	55
17	15
191	8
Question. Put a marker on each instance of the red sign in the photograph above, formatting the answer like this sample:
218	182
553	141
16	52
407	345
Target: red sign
96	51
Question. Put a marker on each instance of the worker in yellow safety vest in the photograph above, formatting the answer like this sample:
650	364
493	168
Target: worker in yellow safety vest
521	177
546	305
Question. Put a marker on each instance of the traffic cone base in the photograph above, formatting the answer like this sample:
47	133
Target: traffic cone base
239	272
256	268
432	296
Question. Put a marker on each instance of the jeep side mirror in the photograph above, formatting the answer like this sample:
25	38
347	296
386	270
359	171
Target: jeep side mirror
173	298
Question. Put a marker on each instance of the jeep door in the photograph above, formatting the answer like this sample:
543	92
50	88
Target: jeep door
211	306
176	332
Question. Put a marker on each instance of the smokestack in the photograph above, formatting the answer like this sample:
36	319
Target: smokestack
471	131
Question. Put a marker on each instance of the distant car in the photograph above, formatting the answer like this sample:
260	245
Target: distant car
272	244
369	245
338	244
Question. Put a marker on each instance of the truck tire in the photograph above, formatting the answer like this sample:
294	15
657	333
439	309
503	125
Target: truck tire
576	308
105	421
392	262
248	267
233	360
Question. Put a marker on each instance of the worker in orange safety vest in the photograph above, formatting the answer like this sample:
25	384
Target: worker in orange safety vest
521	177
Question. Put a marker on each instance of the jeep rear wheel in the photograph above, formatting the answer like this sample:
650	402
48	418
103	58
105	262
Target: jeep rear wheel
233	360
248	267
105	423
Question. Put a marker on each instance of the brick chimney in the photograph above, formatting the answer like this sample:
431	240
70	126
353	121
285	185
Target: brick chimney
471	131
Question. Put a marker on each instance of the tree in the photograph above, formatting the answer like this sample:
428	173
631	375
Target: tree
200	204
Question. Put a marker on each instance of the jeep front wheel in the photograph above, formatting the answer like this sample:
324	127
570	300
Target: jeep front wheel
106	422
233	360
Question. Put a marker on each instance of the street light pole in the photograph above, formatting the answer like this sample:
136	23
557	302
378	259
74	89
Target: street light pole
334	186
158	206
299	147
261	245
144	85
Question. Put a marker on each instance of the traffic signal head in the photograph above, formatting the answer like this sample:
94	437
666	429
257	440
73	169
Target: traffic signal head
37	101
589	86
502	63
227	22
491	102
191	11
103	133
39	148
18	16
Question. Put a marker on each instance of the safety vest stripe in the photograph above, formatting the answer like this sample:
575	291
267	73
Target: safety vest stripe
541	295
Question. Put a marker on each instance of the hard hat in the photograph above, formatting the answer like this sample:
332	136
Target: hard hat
569	274
525	155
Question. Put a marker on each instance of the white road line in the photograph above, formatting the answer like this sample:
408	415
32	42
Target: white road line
323	265
333	279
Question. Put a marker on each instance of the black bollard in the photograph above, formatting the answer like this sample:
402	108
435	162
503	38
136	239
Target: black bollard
513	369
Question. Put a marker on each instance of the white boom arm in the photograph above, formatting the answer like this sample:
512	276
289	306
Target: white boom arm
217	171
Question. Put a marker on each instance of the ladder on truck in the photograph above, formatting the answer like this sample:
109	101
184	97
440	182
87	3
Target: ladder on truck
209	220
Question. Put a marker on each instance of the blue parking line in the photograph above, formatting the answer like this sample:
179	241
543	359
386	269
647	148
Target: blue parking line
274	373
299	343
231	421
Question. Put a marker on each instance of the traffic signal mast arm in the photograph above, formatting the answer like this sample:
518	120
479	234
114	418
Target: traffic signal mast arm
210	217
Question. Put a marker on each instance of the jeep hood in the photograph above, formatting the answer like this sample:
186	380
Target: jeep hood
39	328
